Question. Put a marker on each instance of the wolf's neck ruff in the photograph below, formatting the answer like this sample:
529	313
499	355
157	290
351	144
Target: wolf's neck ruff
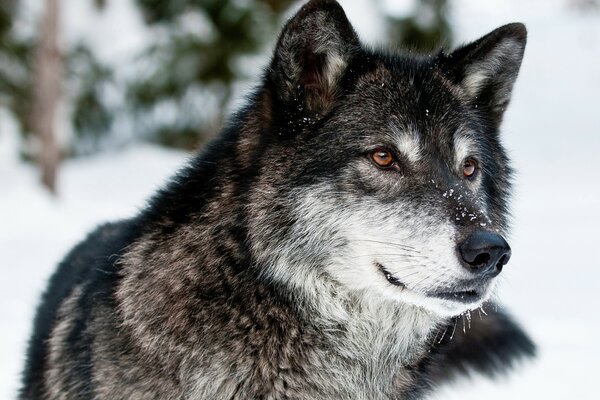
370	328
368	341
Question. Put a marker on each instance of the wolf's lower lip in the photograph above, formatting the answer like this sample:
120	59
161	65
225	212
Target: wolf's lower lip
465	296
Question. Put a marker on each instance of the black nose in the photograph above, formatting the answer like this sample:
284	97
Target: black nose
485	253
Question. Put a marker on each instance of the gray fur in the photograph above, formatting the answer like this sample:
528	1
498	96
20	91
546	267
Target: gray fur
254	273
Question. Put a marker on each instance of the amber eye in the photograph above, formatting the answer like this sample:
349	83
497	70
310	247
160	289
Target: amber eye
383	158
469	168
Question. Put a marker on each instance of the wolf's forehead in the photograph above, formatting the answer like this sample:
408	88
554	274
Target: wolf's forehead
410	143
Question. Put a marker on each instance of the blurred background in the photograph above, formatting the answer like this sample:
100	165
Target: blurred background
102	100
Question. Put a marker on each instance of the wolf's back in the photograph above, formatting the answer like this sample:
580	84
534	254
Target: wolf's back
82	281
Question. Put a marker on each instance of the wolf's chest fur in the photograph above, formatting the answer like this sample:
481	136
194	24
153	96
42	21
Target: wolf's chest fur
369	356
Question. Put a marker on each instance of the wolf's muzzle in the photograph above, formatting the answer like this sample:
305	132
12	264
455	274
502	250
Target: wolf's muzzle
485	253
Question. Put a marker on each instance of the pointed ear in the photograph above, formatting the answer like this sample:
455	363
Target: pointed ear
487	68
311	56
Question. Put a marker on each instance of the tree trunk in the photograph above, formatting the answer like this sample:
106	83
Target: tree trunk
47	72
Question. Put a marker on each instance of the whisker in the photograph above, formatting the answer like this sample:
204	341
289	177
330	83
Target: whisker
393	254
443	334
386	243
424	279
468	315
407	275
453	329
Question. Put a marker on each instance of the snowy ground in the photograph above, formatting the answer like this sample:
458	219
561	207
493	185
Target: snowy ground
552	283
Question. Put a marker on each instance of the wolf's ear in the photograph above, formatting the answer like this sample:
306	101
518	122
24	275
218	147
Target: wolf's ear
487	68
311	56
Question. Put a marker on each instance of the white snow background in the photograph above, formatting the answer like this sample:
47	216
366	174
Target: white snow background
552	131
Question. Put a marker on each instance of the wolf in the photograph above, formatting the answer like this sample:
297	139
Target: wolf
325	246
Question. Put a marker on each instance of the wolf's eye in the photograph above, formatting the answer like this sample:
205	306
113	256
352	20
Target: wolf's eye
469	168
382	157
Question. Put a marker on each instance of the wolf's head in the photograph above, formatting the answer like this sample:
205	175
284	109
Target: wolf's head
383	174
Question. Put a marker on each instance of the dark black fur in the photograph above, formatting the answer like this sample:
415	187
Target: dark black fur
92	262
205	296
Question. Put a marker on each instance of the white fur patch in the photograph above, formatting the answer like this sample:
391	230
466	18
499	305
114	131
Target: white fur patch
474	81
464	147
408	143
335	68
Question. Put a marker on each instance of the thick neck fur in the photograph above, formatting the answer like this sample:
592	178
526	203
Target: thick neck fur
337	343
372	343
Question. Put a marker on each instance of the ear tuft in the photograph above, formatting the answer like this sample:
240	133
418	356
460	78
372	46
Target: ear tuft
487	68
311	55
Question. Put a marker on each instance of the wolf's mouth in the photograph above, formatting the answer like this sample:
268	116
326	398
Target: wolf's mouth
388	275
461	295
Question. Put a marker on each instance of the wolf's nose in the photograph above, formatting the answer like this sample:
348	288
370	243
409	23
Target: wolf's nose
485	253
